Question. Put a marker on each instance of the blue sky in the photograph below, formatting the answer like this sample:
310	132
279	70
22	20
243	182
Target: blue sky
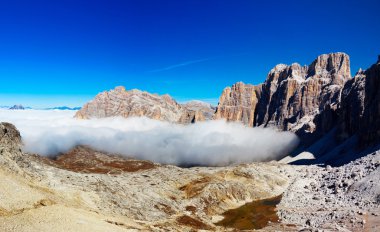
65	52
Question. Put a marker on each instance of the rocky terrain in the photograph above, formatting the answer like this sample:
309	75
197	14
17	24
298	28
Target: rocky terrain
136	103
86	190
344	198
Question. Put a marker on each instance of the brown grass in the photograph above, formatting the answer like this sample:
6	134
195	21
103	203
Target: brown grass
192	222
196	186
191	208
254	215
85	160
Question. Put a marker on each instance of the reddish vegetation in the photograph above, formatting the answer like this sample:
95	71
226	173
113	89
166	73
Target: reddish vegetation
192	222
85	160
195	187
254	215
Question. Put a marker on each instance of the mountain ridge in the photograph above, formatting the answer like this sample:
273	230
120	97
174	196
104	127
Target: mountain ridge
311	101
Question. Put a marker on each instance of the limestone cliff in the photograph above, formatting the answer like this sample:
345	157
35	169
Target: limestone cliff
311	101
238	103
290	97
136	103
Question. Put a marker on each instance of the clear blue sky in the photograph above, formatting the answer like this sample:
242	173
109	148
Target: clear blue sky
65	52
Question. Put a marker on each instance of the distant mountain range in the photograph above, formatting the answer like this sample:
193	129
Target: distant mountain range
18	107
21	107
63	108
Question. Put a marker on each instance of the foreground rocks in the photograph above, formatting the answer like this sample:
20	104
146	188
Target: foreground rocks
344	198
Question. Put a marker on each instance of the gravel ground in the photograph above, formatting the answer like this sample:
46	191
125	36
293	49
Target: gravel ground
345	198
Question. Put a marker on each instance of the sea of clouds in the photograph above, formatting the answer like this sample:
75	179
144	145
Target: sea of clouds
212	143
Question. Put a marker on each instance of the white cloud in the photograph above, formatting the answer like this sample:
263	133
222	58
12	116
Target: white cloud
49	133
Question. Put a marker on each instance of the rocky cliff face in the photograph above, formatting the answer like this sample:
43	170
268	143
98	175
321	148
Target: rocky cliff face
196	111
311	101
238	103
135	103
291	96
119	102
359	108
10	146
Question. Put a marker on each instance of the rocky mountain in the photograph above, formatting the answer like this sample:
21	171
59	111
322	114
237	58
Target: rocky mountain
313	101
238	103
290	97
336	116
196	111
17	107
120	102
359	107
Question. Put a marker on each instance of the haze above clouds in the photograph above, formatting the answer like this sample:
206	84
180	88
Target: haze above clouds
211	143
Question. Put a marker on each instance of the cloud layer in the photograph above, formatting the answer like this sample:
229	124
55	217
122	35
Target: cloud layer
212	143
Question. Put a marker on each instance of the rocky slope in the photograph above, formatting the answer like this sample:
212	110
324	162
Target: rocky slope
313	101
344	198
135	103
86	190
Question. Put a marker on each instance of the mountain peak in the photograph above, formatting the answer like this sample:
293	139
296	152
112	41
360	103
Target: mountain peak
17	107
337	64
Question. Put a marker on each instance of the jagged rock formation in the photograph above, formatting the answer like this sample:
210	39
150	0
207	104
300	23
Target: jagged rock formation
119	102
135	103
10	146
311	101
196	111
291	96
359	108
238	103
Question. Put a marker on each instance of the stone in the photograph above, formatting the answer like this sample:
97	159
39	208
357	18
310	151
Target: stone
136	103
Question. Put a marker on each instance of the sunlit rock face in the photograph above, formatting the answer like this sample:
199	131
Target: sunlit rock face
136	103
290	97
238	103
311	101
